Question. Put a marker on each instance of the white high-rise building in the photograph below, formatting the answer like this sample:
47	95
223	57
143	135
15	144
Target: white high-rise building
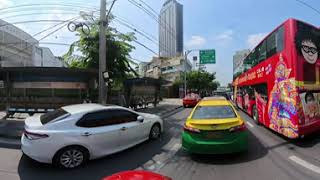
171	29
20	49
238	58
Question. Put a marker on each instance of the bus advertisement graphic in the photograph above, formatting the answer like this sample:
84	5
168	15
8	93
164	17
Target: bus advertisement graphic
282	102
311	107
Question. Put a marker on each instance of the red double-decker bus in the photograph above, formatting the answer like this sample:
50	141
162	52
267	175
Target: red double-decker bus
278	83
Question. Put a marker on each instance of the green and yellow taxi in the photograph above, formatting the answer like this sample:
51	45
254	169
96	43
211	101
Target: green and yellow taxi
214	127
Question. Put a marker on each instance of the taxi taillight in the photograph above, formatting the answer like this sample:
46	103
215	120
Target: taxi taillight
239	128
190	129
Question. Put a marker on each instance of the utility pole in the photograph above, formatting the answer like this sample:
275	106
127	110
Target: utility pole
102	52
185	73
103	91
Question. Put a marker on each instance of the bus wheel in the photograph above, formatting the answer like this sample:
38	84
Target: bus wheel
255	115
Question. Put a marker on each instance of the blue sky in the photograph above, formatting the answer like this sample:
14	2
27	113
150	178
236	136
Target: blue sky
224	25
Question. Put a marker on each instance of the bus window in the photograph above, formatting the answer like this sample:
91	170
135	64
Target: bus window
280	39
275	42
261	52
261	89
271	45
247	63
250	92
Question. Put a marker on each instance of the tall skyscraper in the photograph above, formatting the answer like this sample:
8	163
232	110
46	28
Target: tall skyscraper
171	29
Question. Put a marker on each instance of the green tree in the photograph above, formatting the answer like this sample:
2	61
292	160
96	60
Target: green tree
199	81
118	49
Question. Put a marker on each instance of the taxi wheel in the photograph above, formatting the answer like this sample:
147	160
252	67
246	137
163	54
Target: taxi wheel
255	115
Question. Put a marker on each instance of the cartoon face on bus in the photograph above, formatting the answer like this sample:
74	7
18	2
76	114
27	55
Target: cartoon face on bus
307	45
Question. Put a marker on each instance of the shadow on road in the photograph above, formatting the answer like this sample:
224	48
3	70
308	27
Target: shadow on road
96	169
255	151
308	141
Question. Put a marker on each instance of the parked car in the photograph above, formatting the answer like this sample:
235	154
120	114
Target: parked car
72	135
214	127
190	100
137	175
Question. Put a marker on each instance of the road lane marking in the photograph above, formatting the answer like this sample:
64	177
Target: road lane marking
176	147
155	165
251	125
305	164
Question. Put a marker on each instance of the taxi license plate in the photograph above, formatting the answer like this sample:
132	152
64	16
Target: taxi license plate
213	135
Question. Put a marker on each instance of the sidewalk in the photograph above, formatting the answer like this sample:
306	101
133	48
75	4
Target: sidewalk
13	129
171	101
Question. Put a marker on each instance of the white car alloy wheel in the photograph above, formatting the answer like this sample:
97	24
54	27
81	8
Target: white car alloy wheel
71	157
155	131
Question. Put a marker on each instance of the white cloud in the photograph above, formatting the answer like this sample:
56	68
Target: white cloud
5	3
196	42
254	39
225	36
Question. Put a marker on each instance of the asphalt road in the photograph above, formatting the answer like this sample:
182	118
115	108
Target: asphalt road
270	156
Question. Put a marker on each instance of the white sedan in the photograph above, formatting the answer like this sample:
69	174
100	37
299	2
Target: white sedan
72	135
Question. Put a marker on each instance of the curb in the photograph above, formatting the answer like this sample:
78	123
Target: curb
15	135
3	124
10	143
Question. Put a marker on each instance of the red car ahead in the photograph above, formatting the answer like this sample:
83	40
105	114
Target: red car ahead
136	175
191	99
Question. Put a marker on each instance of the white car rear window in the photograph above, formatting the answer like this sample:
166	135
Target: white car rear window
50	116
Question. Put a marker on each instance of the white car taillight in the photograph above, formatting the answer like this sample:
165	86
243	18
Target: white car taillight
34	136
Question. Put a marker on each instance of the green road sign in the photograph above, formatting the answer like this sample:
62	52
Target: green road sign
207	56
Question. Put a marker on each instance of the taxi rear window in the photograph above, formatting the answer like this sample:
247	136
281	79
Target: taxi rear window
214	112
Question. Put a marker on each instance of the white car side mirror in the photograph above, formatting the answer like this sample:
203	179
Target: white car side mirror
140	118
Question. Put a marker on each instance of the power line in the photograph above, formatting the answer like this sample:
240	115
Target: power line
149	7
141	44
61	23
49	43
145	47
127	22
141	33
33	21
153	16
38	13
45	9
308	5
156	15
46	5
140	61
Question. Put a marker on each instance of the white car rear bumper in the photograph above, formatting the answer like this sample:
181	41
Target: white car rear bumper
35	151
